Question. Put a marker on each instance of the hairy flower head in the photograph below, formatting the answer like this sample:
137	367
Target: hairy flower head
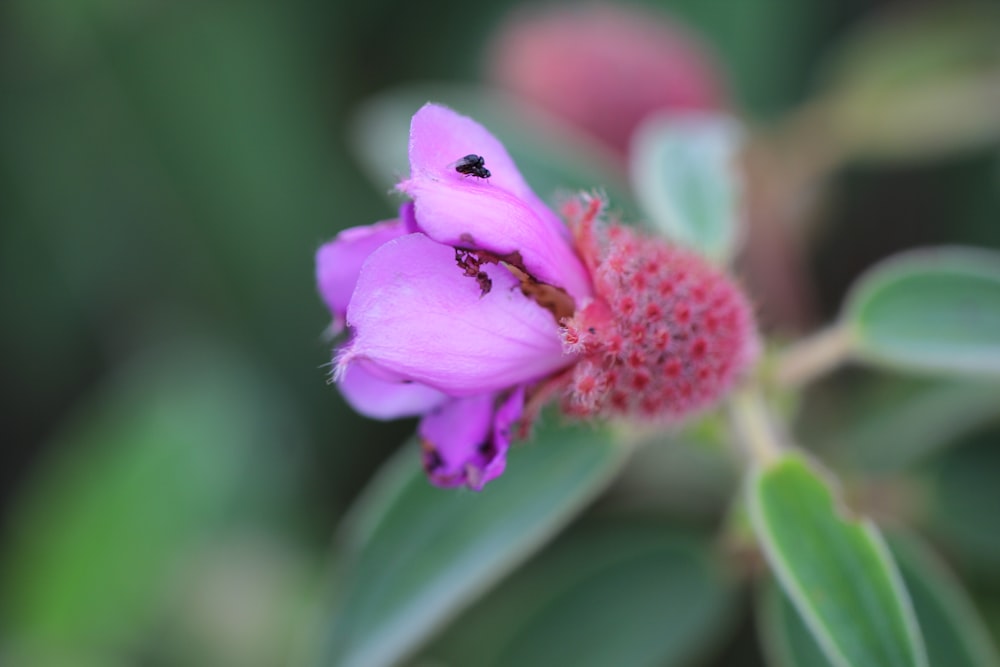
666	335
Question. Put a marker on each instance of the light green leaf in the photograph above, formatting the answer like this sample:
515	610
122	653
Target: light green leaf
836	569
917	84
954	633
684	173
935	310
415	554
665	594
172	451
552	156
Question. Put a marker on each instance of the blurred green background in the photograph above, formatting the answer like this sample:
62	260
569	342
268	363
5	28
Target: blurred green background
175	461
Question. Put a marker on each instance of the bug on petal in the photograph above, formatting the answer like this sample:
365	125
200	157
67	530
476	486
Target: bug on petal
472	165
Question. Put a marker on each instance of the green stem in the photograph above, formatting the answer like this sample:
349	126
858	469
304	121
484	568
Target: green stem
755	427
814	357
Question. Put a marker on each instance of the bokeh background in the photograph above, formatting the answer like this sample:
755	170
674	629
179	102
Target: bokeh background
175	462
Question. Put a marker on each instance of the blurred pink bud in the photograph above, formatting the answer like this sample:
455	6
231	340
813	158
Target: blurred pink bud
605	68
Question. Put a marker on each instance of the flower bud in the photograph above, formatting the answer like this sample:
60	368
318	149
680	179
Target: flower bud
605	68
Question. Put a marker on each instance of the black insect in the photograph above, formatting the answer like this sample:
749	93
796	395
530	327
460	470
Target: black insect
473	165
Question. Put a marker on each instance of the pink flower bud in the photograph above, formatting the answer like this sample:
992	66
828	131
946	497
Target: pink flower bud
666	335
605	68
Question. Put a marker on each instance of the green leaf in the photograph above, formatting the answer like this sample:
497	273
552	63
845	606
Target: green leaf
414	555
684	174
954	633
689	472
766	81
917	84
935	310
903	420
208	148
963	499
171	452
836	569
784	637
664	593
552	156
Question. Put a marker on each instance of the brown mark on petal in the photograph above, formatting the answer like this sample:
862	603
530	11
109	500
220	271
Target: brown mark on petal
485	256
432	460
487	449
551	298
485	283
511	259
470	264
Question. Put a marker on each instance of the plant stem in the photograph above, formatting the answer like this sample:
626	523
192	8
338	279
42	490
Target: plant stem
813	357
755	427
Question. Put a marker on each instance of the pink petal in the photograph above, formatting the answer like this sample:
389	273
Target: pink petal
439	137
476	216
465	441
418	317
380	399
408	217
339	262
509	412
500	214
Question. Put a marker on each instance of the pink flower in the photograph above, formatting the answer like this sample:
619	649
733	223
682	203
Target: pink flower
477	298
605	68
